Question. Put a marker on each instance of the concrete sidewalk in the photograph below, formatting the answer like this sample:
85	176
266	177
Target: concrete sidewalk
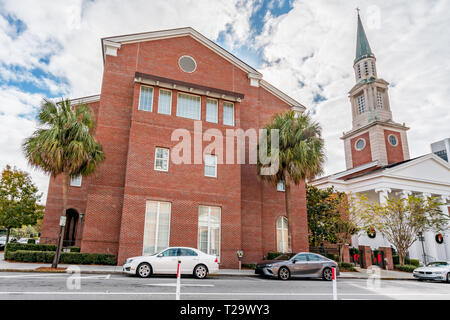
6	266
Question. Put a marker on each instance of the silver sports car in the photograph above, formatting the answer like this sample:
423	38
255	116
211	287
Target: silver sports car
438	270
303	264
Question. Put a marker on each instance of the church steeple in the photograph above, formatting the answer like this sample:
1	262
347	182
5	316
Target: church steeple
362	44
374	135
365	62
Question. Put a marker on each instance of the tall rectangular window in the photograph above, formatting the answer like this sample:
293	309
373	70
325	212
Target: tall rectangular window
361	104
209	230
165	101
379	100
162	159
146	98
210	165
228	113
188	106
211	111
366	68
76	181
157	226
359	71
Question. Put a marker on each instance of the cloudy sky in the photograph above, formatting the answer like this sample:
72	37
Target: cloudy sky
305	48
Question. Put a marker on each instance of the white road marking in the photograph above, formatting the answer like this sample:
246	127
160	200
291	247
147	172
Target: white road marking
174	285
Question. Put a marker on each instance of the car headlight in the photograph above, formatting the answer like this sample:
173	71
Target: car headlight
128	260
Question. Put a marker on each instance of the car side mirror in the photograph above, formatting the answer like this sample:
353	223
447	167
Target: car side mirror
159	255
294	261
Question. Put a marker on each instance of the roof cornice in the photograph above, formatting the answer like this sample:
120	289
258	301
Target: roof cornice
374	123
179	32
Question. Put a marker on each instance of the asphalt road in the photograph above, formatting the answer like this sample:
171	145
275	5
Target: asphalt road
37	286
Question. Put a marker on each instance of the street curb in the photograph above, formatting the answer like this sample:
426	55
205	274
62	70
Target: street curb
211	275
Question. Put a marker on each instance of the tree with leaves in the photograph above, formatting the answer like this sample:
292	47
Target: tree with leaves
19	199
401	220
330	217
64	145
300	154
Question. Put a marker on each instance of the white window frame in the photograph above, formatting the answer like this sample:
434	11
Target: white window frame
361	104
366	68
216	120
76	181
208	165
379	100
223	112
283	228
159	99
140	94
199	109
356	144
209	228
156	158
158	211
280	186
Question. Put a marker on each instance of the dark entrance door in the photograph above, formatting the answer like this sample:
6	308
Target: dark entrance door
70	230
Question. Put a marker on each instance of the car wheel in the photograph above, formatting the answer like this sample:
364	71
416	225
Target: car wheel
327	274
284	273
448	277
200	271
144	270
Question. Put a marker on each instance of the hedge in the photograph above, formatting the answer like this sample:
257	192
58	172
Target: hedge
406	267
14	246
66	257
413	262
346	266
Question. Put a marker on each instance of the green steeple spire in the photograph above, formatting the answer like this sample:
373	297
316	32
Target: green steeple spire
362	44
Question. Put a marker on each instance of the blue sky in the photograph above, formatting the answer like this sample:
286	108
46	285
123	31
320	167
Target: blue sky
305	48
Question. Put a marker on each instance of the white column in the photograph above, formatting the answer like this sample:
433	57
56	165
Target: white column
446	234
404	194
383	194
430	243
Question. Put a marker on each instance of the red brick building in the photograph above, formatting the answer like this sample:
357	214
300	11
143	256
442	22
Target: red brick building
139	201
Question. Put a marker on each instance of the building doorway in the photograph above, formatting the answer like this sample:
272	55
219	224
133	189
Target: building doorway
70	230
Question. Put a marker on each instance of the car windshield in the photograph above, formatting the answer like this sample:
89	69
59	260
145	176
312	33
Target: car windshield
284	256
437	264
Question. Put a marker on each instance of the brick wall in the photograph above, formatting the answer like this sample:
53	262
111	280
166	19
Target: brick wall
363	156
394	153
115	197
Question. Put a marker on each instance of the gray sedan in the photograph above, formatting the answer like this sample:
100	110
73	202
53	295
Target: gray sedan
303	264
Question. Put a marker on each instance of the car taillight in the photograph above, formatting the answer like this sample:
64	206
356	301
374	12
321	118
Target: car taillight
217	260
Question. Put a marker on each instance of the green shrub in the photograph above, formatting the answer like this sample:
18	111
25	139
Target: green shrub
331	256
414	262
346	266
66	257
29	246
273	255
74	249
31	241
406	267
249	266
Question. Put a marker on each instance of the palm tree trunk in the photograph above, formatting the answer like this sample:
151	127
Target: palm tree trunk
61	228
287	197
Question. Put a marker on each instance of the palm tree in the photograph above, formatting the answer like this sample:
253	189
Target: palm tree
63	145
301	154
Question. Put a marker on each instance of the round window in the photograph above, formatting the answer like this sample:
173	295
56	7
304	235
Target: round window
393	140
187	64
360	144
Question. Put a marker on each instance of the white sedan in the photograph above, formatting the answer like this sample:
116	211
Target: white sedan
438	270
193	261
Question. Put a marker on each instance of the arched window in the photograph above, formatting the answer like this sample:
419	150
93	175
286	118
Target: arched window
282	234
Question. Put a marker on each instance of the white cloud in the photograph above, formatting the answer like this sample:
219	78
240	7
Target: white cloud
410	41
308	51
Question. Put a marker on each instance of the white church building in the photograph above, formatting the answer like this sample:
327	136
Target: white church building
377	158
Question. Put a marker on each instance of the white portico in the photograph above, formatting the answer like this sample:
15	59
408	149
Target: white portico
424	176
377	156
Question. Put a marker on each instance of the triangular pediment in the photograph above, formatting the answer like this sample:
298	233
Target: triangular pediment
427	168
